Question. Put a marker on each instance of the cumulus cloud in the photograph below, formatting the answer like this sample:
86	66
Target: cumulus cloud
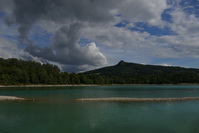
143	10
27	12
65	49
67	21
186	26
116	37
69	18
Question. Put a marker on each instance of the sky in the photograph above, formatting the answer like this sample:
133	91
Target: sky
80	35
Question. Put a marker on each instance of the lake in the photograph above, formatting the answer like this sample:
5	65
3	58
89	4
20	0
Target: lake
55	111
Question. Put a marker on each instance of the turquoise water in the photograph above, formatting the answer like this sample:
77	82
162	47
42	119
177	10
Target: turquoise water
56	112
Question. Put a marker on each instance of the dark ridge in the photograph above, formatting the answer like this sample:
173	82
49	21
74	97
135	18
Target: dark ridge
134	73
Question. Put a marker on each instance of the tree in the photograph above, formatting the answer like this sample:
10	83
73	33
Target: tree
34	79
5	79
74	79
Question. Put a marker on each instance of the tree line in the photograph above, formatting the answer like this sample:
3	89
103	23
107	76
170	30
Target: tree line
18	72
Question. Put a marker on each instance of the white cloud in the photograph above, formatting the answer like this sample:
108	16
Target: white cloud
185	24
115	37
143	10
9	49
93	52
164	64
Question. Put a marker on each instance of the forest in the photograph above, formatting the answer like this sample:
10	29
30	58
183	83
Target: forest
19	72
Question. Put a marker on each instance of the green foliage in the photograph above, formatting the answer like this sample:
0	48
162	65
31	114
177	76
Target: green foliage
14	71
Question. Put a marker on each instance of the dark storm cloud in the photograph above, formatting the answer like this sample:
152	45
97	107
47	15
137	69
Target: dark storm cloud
27	12
72	14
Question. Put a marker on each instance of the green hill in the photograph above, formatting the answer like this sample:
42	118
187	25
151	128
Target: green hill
131	73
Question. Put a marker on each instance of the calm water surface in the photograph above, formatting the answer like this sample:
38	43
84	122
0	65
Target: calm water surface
55	112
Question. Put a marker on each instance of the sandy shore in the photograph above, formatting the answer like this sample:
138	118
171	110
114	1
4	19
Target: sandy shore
121	99
11	98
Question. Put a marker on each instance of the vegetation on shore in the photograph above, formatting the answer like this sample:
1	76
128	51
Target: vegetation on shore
19	72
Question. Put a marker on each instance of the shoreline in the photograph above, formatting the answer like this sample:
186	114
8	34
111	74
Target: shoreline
42	85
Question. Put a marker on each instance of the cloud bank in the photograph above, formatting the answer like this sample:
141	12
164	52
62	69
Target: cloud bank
52	30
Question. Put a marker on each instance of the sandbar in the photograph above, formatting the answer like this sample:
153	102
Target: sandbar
122	99
11	98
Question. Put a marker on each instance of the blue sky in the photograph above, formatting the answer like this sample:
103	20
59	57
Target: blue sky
94	34
144	27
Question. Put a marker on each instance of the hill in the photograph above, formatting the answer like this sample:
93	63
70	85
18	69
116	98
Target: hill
134	73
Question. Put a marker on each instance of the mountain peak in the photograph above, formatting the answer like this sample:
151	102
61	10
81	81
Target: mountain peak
121	63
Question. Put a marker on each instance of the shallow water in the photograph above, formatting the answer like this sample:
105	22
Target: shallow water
56	112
